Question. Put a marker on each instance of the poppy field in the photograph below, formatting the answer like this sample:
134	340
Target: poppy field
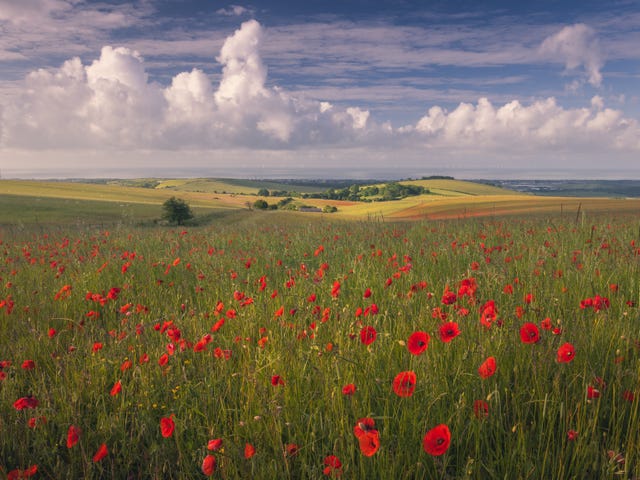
472	348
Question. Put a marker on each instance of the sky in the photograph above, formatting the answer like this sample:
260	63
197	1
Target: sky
348	88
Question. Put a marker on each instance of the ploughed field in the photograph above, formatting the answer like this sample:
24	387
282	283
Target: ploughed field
504	347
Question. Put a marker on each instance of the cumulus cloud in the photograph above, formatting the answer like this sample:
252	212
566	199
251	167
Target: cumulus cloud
110	104
540	126
577	47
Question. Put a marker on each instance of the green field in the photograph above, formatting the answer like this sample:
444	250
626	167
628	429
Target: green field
139	201
275	344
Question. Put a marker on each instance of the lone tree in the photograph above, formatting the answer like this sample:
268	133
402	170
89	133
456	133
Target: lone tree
176	211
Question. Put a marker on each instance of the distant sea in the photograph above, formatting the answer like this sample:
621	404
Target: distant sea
322	173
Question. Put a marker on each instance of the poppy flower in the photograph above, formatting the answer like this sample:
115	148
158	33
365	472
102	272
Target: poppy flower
367	435
249	451
418	342
17	473
209	465
404	384
448	331
368	335
592	392
480	409
529	333
565	353
488	367
116	389
214	444
572	435
333	465
349	389
73	435
291	449
28	365
437	440
277	380
167	426
26	402
101	453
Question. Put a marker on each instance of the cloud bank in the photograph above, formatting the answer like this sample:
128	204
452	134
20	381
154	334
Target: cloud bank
111	104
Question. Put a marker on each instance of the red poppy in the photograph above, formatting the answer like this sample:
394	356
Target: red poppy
101	453
249	451
480	409
73	435
164	358
26	402
488	367
28	365
277	380
367	435
404	384
349	389
572	435
367	293
449	331
214	444
565	353
17	473
529	333
209	465
437	440
418	342
167	426
368	335
291	449
333	465
116	389
592	392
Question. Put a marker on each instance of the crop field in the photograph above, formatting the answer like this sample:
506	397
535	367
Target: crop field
292	346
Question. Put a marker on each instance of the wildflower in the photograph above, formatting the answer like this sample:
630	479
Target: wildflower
277	380
436	441
367	435
349	389
73	435
17	473
565	353
404	384
249	451
480	409
592	392
116	389
449	331
214	444
167	426
26	402
101	453
418	342
488	367
529	333
291	449
368	335
333	466
572	435
209	465
28	365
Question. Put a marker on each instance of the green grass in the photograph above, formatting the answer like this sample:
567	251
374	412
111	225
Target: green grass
176	284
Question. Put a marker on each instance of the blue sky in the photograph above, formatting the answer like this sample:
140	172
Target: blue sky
483	88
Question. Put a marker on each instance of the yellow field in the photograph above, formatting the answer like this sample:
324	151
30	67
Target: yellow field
447	199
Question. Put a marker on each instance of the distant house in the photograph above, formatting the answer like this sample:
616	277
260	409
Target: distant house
310	209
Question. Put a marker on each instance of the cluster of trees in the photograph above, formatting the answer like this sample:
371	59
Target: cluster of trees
287	204
381	193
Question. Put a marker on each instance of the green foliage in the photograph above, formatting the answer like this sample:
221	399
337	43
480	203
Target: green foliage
260	204
176	211
263	192
274	289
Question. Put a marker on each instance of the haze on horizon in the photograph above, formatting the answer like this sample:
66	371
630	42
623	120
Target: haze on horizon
127	89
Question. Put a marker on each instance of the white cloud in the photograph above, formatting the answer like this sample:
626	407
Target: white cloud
110	104
233	11
576	46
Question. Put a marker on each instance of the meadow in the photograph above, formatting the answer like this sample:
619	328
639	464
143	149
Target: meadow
479	348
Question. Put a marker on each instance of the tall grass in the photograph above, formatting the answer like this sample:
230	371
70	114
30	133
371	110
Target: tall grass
175	285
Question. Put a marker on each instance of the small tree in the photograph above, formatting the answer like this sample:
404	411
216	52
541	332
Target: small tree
176	211
263	192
